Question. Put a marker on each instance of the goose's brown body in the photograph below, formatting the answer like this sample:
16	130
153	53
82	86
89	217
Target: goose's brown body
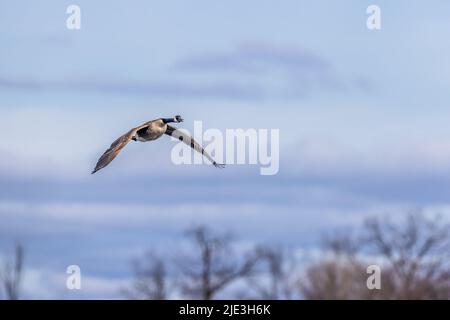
153	131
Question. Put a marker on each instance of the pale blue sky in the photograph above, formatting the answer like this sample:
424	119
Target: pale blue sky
362	117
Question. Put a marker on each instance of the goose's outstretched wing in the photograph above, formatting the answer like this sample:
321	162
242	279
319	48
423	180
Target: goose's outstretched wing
174	132
115	148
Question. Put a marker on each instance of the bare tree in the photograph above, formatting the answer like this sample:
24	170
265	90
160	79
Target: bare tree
274	278
417	254
150	279
337	276
11	274
413	256
213	265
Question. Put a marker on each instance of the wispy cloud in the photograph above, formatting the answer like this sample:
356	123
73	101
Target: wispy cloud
257	58
250	72
285	72
169	89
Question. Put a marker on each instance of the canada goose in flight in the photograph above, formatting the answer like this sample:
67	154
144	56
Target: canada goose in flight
150	131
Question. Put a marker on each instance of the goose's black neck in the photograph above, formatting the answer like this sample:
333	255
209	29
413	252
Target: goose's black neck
168	120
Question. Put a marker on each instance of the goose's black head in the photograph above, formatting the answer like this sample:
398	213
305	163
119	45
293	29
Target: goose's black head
178	118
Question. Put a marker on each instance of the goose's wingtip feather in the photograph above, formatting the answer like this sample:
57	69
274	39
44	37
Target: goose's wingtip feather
219	165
